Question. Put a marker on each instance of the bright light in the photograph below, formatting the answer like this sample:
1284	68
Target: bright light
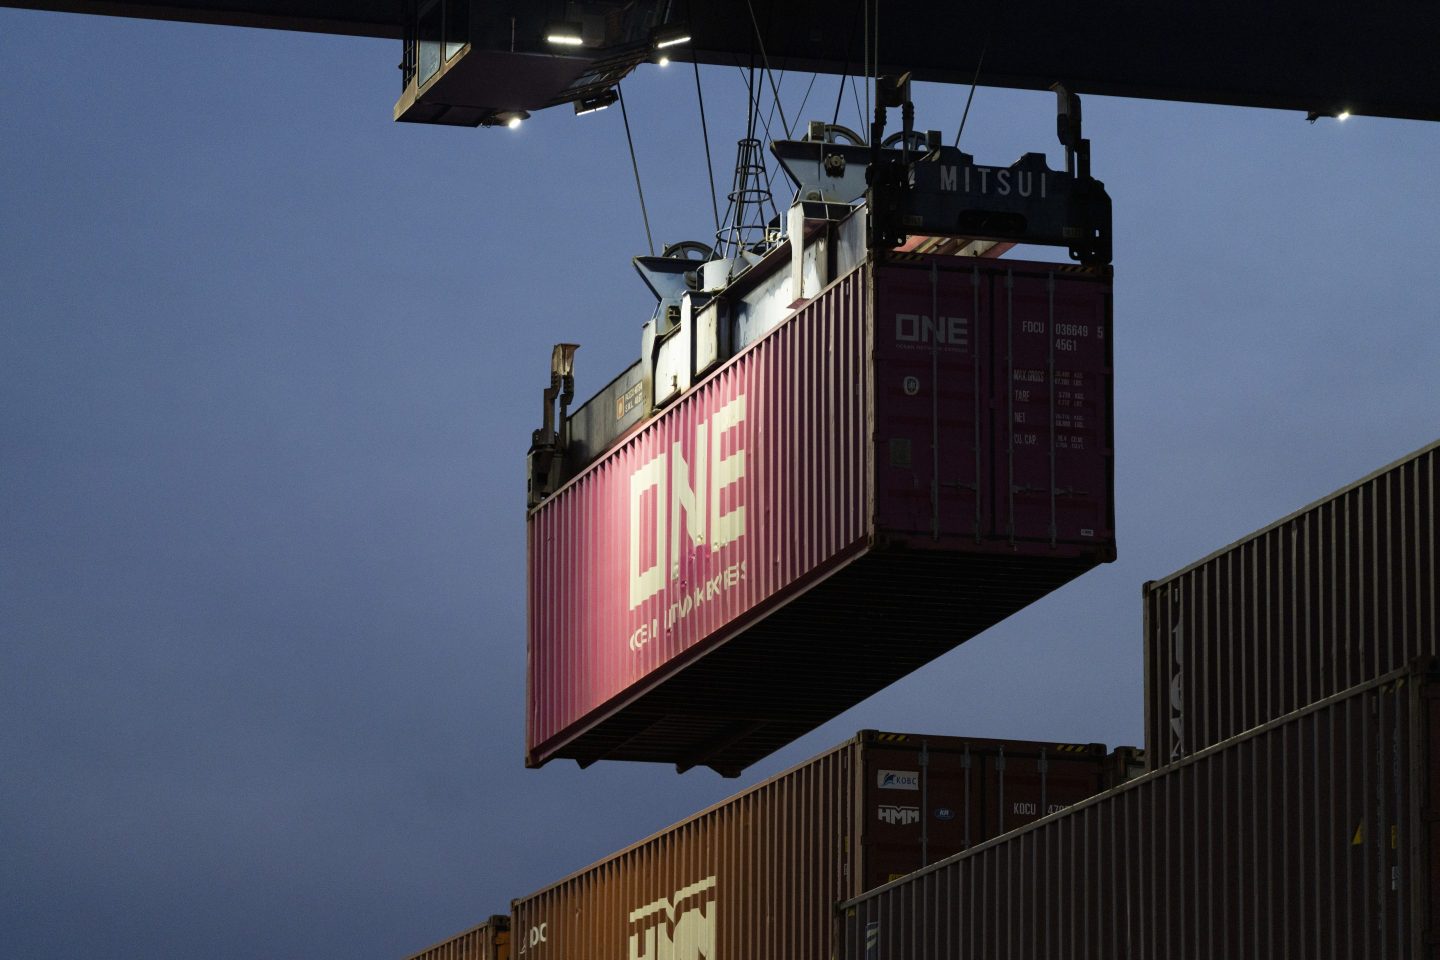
598	102
663	61
510	118
669	35
565	34
1343	115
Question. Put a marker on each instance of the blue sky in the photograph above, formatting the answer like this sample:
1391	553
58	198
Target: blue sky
269	365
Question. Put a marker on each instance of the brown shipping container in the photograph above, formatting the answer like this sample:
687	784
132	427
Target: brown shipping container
759	874
1313	836
1333	595
852	495
489	941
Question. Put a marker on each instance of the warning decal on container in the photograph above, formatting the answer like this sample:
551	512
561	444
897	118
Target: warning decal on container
628	400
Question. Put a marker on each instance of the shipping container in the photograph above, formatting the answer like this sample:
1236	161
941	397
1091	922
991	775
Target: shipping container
1335	594
921	450
489	941
759	874
1311	836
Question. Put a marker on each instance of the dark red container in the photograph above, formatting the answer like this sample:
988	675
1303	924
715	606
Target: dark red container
918	453
1335	594
1314	835
759	874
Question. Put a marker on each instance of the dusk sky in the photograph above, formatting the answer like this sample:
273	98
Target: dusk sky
269	364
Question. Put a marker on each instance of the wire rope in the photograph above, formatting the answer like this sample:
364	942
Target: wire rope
844	74
774	103
806	99
635	165
973	83
765	58
854	94
704	130
754	103
865	68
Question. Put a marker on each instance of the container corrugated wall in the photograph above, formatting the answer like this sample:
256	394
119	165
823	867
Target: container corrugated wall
911	458
750	877
926	798
773	453
1314	837
489	941
758	875
1333	595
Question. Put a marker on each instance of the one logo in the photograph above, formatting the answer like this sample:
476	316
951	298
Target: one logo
679	927
944	813
667	478
898	780
898	816
920	328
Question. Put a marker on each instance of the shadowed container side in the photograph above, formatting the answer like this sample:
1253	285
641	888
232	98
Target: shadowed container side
489	941
1335	594
758	875
916	454
1312	836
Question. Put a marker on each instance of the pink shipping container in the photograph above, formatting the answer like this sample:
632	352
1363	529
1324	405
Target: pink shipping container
917	453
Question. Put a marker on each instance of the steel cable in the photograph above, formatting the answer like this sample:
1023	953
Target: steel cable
705	131
768	72
636	166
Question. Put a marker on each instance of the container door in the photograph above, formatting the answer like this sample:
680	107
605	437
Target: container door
892	825
931	401
1053	387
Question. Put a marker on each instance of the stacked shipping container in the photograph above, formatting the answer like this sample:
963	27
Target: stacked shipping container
489	941
1309	834
918	453
760	873
1312	836
1335	594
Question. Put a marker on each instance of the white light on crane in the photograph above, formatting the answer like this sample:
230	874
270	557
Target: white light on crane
1343	115
509	118
598	102
564	34
670	35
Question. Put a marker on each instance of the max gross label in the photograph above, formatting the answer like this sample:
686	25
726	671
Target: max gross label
683	507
